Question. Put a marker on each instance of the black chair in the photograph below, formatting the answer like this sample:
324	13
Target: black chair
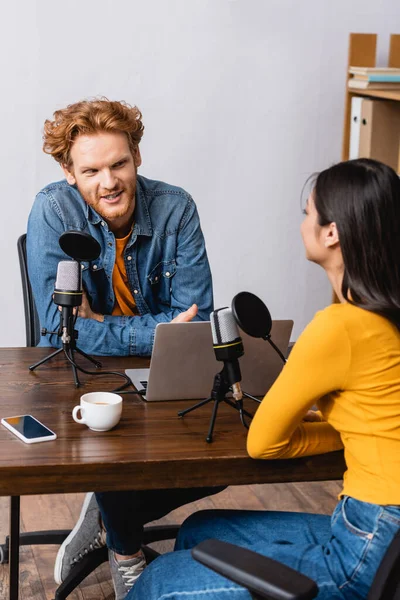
32	325
267	579
90	562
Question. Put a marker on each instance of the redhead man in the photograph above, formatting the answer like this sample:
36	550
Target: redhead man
153	264
153	268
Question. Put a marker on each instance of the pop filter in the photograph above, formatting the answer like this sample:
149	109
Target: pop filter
79	245
251	314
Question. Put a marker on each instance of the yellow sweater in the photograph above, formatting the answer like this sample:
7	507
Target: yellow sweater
347	361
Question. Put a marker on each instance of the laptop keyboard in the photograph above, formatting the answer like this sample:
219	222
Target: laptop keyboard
144	384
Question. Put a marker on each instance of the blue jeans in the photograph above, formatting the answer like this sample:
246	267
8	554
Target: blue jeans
341	553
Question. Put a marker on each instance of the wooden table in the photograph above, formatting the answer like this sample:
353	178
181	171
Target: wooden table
151	448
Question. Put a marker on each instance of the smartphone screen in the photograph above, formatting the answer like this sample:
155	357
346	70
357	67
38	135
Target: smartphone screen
29	427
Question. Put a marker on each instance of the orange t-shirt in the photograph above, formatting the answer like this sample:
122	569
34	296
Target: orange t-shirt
124	301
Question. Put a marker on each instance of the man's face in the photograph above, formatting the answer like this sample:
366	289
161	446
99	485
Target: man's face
104	171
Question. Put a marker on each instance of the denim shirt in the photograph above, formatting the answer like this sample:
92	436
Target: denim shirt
165	259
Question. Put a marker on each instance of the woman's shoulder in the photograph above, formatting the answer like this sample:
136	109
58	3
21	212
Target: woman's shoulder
326	326
334	314
349	314
358	324
337	321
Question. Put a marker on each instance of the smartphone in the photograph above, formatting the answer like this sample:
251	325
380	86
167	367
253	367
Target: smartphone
28	429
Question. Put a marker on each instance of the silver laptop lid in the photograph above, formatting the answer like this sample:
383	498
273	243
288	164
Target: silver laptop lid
183	363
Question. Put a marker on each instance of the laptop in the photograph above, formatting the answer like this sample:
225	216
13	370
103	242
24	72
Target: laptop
183	363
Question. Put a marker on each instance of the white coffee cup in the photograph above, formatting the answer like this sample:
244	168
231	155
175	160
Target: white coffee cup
100	411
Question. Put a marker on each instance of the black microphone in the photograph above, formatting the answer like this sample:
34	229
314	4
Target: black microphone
80	246
254	318
228	347
68	294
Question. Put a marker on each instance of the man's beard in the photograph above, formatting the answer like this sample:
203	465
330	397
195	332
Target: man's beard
108	211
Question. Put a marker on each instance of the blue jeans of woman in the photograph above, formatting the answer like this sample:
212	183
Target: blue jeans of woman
341	553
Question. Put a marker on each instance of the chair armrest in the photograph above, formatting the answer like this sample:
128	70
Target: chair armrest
262	576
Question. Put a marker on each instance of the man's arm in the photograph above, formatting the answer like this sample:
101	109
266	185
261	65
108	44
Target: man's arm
117	335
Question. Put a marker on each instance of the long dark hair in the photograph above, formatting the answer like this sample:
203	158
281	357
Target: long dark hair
363	198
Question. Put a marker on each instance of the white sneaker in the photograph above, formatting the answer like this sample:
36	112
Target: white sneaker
125	573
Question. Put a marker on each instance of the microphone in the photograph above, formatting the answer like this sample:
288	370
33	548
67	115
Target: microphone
68	286
80	246
228	347
68	294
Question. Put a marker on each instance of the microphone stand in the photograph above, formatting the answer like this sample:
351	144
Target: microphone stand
80	246
68	336
268	339
220	388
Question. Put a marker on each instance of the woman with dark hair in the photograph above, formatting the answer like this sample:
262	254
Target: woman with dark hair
347	361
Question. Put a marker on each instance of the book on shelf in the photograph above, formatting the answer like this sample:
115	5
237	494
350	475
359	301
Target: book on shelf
360	84
374	78
374	71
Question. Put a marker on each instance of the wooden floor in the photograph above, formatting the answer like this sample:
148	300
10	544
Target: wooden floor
61	512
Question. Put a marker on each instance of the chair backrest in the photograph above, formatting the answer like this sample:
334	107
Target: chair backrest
386	584
32	324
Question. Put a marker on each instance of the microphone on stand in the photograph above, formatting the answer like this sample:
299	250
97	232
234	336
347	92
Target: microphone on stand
253	317
68	295
228	347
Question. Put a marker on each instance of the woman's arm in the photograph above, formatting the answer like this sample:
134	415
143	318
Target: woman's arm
317	366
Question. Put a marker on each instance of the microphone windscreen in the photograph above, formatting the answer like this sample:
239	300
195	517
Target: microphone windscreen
223	326
68	276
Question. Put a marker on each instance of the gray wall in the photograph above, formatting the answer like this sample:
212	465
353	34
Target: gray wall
242	100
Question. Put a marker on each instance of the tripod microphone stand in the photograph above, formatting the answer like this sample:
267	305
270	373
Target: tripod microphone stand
220	388
253	317
218	394
68	337
80	246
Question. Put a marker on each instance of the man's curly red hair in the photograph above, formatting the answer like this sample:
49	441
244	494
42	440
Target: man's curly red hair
90	117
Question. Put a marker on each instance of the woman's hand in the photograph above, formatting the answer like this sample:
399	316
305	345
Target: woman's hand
312	416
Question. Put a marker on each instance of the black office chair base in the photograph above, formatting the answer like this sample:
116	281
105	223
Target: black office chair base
154	533
32	538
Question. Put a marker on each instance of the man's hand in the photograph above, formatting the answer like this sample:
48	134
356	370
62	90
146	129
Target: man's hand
86	312
187	315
